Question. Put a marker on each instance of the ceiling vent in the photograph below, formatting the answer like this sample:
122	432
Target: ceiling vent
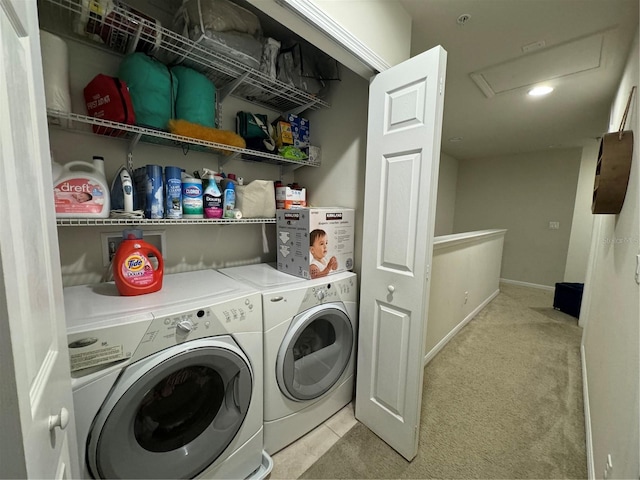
543	65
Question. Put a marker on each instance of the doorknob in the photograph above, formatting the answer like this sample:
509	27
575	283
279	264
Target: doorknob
391	288
61	420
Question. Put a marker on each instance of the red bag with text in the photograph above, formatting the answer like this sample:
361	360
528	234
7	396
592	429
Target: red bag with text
108	98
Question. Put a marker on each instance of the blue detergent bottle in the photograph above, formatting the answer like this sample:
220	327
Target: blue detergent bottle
229	199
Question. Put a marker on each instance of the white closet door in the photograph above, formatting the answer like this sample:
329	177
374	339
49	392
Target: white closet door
403	154
36	385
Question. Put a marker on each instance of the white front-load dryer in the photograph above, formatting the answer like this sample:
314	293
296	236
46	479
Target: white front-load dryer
168	384
310	335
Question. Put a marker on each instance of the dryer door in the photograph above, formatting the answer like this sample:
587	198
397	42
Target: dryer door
315	352
172	414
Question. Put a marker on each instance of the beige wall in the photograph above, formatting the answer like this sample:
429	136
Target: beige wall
365	19
580	241
522	193
465	277
611	313
446	203
354	23
342	134
340	131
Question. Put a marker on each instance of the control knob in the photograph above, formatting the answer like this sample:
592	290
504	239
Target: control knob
184	327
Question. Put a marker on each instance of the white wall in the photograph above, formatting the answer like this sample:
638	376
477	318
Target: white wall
465	277
522	193
446	202
580	241
611	313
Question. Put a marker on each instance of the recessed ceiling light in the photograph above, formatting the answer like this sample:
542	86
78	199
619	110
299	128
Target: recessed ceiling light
540	91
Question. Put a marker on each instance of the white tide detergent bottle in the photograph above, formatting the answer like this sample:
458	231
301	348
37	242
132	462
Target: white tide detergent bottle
80	190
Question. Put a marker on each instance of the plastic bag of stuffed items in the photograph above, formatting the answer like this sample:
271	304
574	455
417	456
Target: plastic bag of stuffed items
221	27
306	68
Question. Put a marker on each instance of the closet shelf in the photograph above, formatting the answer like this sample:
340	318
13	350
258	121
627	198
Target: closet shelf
135	134
229	75
92	222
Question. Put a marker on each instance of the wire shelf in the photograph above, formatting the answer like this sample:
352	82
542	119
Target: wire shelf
134	133
92	222
125	31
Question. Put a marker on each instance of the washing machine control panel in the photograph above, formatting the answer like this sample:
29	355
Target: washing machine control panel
239	315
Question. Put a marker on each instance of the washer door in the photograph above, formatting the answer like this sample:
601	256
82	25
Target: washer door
315	352
172	414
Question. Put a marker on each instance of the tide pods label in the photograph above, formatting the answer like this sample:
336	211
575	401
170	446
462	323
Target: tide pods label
137	270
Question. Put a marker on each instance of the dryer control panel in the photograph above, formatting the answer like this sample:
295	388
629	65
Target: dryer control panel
235	316
338	291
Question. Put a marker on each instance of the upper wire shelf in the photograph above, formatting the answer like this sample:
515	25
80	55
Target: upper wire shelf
133	32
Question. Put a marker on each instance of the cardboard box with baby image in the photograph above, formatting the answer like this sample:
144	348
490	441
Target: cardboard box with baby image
315	242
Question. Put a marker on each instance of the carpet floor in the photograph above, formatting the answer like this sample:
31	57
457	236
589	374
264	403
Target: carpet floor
503	399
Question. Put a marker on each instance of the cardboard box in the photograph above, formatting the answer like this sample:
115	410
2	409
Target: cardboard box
299	130
283	133
307	233
287	198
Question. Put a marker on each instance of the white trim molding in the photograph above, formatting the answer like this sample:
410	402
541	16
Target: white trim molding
591	470
432	353
527	284
317	17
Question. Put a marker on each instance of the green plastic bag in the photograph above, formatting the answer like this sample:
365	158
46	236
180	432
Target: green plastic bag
153	89
196	100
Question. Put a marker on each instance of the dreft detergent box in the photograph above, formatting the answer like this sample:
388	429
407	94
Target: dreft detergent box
315	242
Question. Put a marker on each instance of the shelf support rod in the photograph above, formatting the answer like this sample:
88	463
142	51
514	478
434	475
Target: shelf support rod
229	88
222	161
301	108
134	142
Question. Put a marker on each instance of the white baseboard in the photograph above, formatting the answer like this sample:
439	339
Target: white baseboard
591	471
526	284
456	329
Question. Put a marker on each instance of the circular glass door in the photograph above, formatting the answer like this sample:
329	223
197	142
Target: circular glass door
315	352
172	414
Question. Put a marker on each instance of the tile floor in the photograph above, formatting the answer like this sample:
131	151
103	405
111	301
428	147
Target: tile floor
292	461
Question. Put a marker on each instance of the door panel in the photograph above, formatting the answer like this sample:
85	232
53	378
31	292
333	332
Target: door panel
391	353
31	285
398	229
403	154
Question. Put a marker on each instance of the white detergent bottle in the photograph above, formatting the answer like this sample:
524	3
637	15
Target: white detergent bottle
80	190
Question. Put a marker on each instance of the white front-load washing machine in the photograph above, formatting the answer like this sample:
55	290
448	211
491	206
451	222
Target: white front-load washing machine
310	335
168	384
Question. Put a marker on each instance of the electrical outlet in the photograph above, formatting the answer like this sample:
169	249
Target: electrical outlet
111	241
466	297
554	225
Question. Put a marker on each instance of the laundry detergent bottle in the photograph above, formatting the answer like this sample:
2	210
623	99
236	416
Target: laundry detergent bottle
137	265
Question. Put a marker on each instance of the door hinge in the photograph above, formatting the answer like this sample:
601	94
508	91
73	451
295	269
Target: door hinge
427	272
441	85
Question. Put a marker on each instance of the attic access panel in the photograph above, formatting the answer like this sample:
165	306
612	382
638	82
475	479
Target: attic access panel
541	66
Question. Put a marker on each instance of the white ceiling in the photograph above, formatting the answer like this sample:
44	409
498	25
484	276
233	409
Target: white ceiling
586	44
